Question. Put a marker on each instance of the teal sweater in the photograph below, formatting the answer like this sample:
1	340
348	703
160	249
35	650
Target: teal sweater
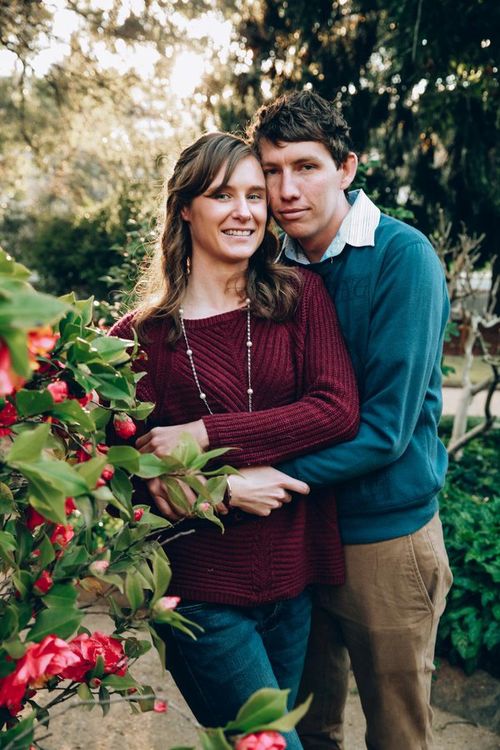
392	304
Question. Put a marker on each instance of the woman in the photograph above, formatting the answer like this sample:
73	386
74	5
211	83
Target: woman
228	331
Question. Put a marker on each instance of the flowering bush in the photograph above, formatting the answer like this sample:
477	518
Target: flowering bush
63	383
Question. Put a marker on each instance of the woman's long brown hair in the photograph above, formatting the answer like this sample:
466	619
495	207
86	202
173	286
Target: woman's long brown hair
273	288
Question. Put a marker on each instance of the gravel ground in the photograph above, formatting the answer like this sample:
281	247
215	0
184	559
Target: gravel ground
79	729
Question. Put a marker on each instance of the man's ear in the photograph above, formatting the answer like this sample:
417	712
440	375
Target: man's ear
349	168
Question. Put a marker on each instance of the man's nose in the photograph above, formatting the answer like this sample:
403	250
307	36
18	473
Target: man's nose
288	187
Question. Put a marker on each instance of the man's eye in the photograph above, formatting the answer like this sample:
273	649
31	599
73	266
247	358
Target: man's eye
269	172
308	167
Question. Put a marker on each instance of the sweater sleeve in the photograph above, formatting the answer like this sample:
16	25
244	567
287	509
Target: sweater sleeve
409	313
328	410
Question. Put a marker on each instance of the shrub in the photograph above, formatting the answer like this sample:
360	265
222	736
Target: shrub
469	632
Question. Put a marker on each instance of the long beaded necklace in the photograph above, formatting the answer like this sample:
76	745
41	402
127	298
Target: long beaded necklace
189	353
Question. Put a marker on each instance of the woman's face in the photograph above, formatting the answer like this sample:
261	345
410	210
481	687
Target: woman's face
228	222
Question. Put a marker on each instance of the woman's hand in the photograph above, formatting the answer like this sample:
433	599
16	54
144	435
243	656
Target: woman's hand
261	489
162	440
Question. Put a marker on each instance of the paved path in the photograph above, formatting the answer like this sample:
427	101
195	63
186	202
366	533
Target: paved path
79	730
451	397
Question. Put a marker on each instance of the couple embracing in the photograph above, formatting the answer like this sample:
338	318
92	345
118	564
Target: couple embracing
319	362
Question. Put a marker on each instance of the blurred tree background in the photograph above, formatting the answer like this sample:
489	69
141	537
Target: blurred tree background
98	96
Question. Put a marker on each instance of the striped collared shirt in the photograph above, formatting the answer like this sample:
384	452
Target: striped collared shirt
357	229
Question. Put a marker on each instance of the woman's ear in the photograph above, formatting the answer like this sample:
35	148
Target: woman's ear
349	168
185	213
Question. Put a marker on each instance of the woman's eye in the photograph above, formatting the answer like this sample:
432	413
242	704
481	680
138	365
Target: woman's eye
255	197
221	196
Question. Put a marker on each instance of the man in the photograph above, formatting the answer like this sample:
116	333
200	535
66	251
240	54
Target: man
390	294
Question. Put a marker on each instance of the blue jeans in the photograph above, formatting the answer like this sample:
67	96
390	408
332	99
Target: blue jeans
241	650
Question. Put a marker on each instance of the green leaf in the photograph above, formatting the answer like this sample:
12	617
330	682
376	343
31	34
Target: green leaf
161	574
56	474
28	445
122	488
47	554
91	470
112	349
15	648
151	466
141	411
133	590
115	682
6	499
85	694
158	643
61	595
214	739
29	403
58	621
9	622
187	450
124	456
71	411
48	502
201	461
7	541
289	721
264	706
104	700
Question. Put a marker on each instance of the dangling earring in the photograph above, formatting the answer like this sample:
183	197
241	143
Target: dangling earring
188	265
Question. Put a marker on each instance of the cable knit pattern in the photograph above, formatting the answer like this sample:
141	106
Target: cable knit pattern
305	397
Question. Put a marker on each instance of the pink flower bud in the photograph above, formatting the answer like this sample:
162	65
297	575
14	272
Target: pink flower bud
95	682
124	426
58	389
138	514
166	603
99	567
160	706
205	506
108	472
261	741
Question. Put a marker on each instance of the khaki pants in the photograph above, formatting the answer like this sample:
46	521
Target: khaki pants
385	619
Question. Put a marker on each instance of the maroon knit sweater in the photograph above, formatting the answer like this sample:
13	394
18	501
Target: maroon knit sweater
305	398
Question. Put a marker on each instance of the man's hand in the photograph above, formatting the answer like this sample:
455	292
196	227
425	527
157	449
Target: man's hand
162	440
262	489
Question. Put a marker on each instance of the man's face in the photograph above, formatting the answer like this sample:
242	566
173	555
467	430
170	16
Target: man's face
306	191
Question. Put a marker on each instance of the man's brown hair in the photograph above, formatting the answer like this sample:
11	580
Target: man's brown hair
302	116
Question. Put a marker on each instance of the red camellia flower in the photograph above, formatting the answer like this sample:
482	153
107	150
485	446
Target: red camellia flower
44	583
8	416
41	661
160	706
62	535
34	519
261	741
9	379
58	389
124	426
88	648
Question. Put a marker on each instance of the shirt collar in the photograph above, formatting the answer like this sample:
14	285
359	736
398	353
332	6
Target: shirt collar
357	229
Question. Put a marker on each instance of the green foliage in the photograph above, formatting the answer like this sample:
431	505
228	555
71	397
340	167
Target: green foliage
61	382
469	632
